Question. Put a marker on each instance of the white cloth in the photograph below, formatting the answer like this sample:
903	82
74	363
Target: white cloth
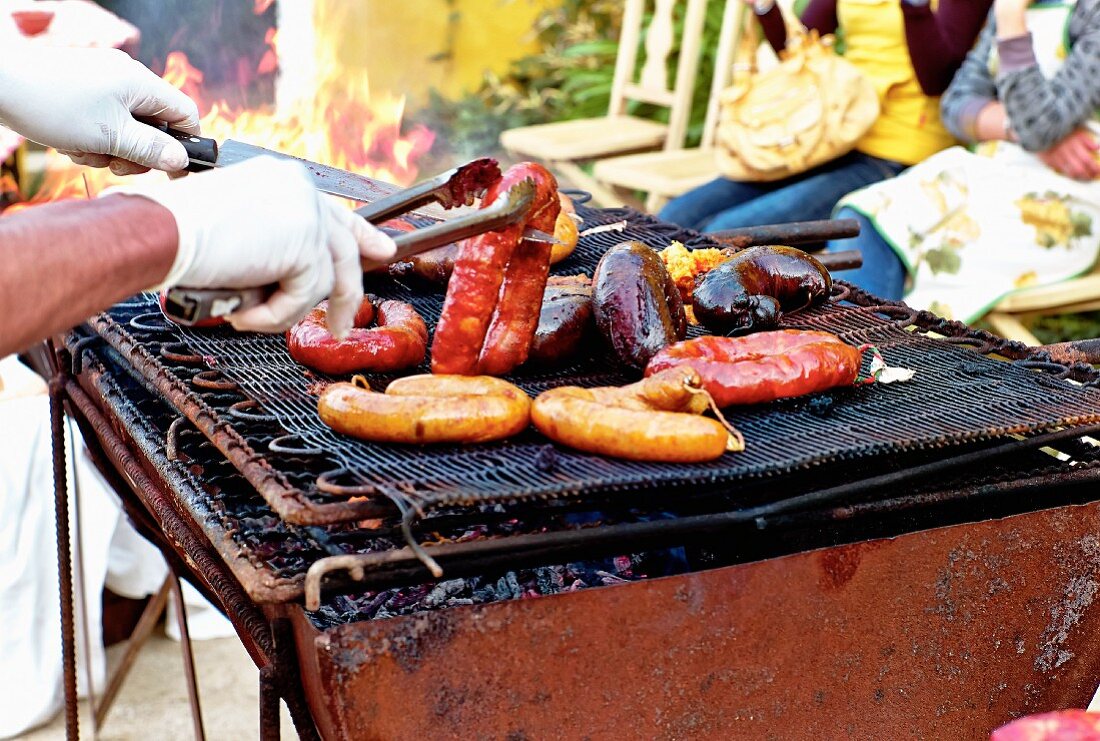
111	553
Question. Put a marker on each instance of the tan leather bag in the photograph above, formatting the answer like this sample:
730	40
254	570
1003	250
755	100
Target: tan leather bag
809	109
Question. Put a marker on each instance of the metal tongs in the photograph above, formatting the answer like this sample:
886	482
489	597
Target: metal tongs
456	187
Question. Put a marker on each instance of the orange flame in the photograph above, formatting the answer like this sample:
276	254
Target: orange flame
344	126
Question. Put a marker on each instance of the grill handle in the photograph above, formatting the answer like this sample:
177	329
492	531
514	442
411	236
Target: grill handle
843	260
796	232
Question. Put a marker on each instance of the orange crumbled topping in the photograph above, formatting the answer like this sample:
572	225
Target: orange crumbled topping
685	265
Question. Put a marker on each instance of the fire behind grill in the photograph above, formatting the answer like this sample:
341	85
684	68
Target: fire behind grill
246	393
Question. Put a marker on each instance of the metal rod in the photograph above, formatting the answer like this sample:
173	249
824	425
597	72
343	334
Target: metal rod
269	705
64	558
796	232
843	260
188	656
150	616
1075	351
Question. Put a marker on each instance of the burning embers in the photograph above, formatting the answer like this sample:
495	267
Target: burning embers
478	590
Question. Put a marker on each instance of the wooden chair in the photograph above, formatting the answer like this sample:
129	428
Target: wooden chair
564	145
669	173
1070	297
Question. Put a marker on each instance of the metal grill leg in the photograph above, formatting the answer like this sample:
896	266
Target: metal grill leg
188	656
269	705
64	559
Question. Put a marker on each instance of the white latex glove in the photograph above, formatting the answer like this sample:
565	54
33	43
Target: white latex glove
82	102
263	222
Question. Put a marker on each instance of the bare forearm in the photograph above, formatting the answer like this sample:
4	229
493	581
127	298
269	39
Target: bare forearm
990	123
61	263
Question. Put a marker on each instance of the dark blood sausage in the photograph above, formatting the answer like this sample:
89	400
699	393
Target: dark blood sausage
434	266
637	307
400	339
565	320
493	298
765	366
750	291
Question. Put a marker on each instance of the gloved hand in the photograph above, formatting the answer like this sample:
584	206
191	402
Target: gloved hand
263	222
82	102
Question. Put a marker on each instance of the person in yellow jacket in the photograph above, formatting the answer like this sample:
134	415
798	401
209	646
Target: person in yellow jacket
909	51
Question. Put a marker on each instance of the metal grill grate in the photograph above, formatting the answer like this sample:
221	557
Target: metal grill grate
958	397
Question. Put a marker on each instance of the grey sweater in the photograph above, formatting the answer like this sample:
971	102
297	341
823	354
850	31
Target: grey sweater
1042	111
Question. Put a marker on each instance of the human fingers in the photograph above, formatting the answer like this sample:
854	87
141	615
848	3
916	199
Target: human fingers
89	159
145	145
296	295
374	245
347	287
126	167
156	98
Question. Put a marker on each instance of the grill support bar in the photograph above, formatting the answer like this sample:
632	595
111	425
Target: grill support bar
64	558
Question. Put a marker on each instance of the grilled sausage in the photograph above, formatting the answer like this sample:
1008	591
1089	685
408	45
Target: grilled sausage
566	232
749	292
400	339
491	308
765	366
427	409
434	266
636	305
630	422
565	319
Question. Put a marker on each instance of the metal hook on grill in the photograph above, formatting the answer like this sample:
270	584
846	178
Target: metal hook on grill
209	379
1054	370
981	346
141	322
240	411
840	292
172	438
284	446
326	484
421	554
178	352
903	316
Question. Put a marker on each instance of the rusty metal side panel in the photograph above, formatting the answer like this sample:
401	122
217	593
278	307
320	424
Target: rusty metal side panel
945	633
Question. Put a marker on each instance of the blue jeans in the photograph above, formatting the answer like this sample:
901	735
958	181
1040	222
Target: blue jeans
726	204
882	273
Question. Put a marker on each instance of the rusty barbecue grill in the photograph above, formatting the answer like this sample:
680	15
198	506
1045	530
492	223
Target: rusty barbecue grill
217	434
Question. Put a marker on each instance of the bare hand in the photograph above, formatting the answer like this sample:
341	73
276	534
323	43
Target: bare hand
1074	156
1009	15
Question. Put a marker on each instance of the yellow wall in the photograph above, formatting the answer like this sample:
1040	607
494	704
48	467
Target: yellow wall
403	43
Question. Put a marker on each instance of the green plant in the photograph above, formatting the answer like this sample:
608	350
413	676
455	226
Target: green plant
570	77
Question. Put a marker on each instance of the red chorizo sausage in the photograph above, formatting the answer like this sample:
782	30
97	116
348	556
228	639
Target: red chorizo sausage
765	366
491	308
399	340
